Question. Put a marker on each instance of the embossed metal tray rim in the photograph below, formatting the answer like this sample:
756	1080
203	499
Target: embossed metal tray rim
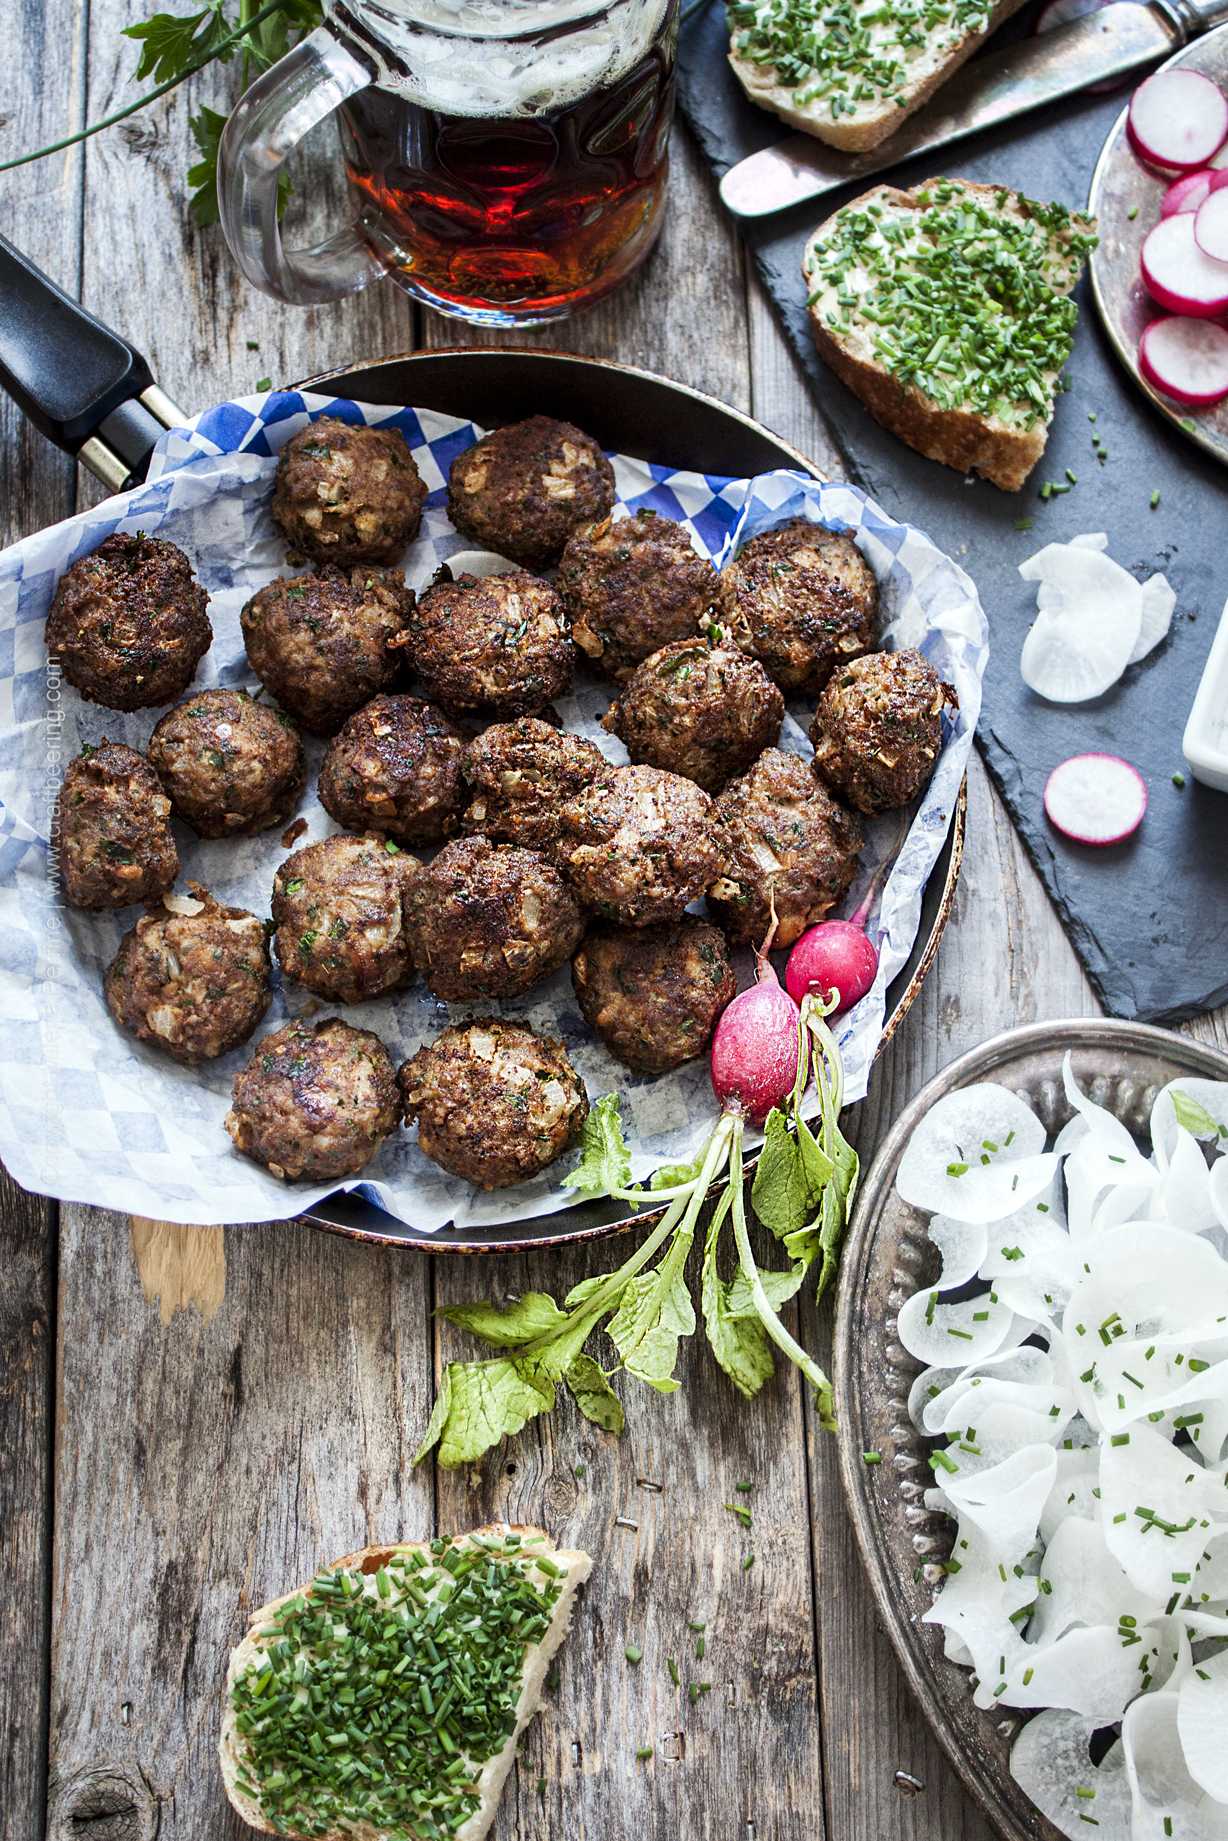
901	1543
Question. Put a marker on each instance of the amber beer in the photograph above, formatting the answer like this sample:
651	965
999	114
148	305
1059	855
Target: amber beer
512	182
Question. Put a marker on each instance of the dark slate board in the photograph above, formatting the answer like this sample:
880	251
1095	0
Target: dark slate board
1149	919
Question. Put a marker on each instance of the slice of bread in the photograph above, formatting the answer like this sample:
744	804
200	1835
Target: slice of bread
853	71
573	1569
946	310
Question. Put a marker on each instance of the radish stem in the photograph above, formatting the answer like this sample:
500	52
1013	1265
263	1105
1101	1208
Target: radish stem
772	1325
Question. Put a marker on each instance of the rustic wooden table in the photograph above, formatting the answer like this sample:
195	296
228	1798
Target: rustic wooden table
194	1419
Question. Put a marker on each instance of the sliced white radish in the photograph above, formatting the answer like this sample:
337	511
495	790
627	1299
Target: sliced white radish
1211	225
1186	358
1216	169
1180	275
1159	600
1096	798
1178	118
1187	193
1091	614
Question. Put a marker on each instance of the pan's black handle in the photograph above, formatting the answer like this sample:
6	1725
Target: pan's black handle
87	389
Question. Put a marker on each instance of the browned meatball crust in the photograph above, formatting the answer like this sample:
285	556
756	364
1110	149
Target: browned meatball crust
878	729
522	490
495	1103
192	978
638	844
395	768
339	908
128	622
314	1102
497	643
520	773
322	644
113	830
701	710
802	600
232	767
781	834
489	920
654	995
348	494
633	585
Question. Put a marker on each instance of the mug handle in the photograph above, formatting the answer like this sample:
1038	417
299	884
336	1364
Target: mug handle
270	120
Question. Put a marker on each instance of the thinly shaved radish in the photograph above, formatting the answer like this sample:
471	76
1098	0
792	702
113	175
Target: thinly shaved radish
1186	358
1211	225
1187	193
1096	798
1179	119
1178	274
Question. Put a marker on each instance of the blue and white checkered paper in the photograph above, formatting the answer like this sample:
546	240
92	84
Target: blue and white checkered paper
86	1113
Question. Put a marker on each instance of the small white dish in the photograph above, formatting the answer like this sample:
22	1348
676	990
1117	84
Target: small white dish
1205	742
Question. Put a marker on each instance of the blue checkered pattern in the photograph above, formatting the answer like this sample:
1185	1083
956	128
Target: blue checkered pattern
86	1114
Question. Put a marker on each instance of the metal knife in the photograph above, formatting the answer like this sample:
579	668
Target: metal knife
996	88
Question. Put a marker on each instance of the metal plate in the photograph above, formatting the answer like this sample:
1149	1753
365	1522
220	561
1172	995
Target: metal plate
1122	184
632	412
887	1257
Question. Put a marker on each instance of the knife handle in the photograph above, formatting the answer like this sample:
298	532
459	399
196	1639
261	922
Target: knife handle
1194	17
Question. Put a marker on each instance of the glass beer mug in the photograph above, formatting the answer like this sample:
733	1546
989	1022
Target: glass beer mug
508	158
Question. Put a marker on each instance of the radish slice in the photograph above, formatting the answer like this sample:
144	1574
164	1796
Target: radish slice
1096	798
1188	192
1178	274
1062	13
1216	169
1186	359
1178	118
1211	225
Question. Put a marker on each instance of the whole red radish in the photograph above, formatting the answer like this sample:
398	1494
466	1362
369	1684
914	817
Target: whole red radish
835	955
755	1045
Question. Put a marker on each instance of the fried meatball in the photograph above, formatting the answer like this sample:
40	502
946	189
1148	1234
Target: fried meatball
495	1103
395	768
520	774
339	908
322	644
128	622
113	830
522	490
633	585
781	834
315	1101
232	767
638	844
497	643
489	920
802	600
701	710
347	494
192	978
878	729
654	996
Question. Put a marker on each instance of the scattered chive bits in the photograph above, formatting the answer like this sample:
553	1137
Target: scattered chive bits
634	1654
643	1753
378	1697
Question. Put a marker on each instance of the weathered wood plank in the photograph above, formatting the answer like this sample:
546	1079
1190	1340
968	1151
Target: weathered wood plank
233	1411
45	50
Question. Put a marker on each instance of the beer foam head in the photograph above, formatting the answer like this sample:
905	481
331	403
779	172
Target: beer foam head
504	58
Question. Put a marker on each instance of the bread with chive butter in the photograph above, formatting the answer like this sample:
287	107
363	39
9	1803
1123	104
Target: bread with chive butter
948	311
337	1696
851	71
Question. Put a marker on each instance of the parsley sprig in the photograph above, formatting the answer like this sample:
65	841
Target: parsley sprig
802	1191
175	47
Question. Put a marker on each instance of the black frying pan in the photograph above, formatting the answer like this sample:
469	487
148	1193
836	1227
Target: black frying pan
93	395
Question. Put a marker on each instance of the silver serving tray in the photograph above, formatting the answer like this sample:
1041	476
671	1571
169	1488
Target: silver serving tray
887	1257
